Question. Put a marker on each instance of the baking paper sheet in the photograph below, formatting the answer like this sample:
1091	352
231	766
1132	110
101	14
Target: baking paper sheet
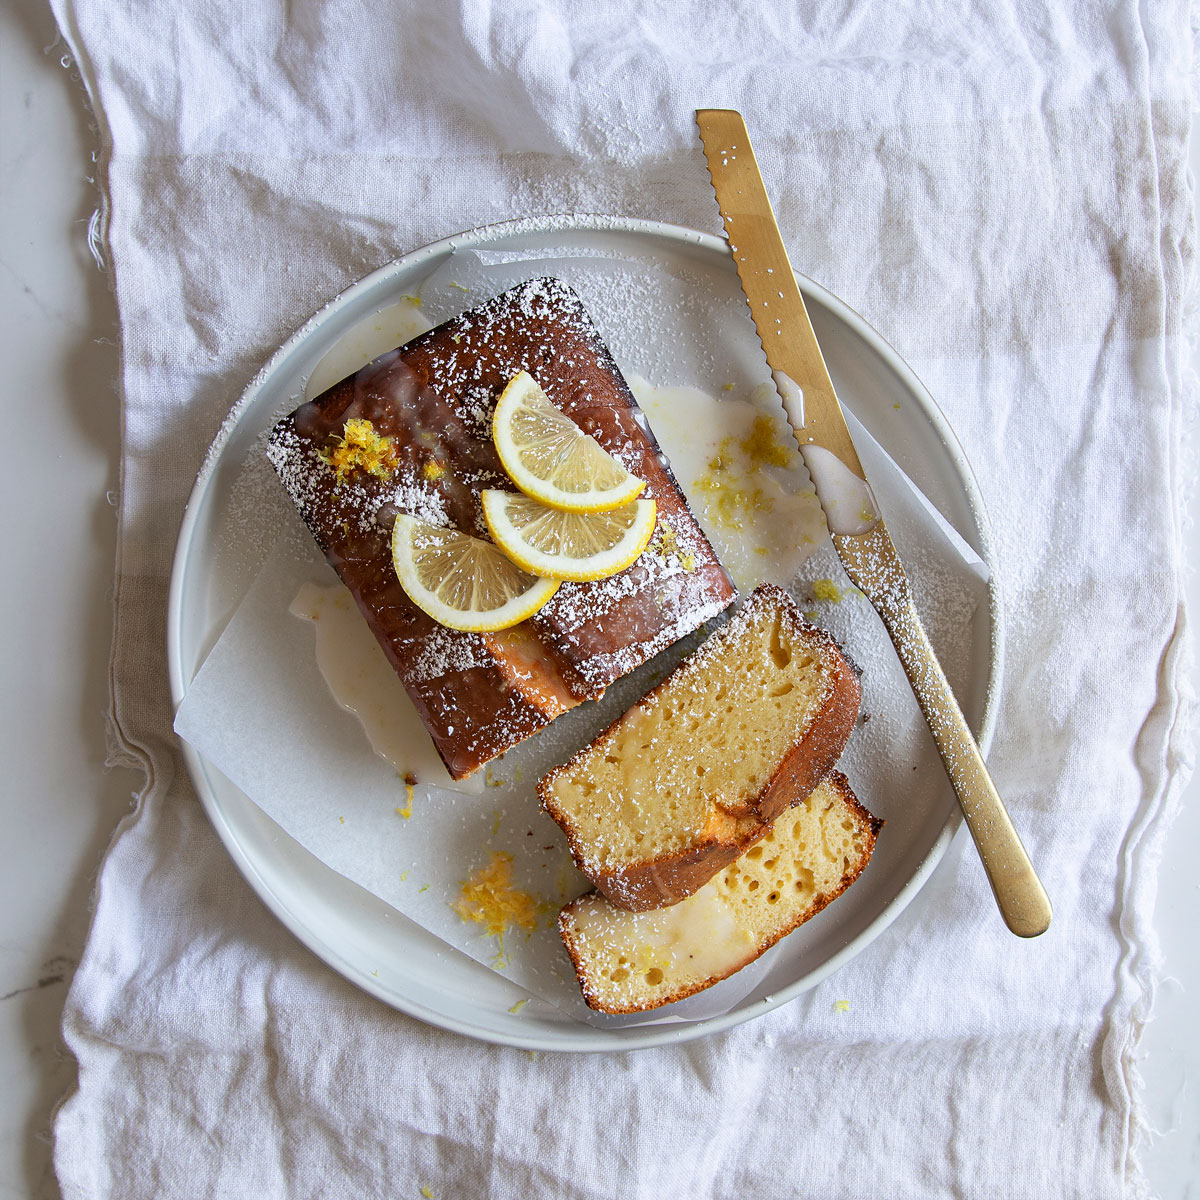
260	711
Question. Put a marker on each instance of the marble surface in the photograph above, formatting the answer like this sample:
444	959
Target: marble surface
60	805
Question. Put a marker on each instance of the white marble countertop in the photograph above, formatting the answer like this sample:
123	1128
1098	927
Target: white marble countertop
59	803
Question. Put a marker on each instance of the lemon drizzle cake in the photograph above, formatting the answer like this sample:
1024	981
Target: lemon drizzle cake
683	782
410	432
632	961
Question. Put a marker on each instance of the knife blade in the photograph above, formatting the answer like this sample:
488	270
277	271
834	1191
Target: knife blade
855	522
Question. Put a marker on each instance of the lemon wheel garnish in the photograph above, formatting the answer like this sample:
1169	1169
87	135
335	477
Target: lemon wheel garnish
551	459
565	545
461	581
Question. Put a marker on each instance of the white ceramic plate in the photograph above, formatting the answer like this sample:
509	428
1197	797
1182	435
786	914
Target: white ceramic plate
372	944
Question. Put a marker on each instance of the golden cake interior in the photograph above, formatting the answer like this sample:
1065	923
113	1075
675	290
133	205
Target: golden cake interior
709	737
630	961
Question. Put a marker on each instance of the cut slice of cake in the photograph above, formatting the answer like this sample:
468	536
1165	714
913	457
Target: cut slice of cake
628	962
411	432
681	784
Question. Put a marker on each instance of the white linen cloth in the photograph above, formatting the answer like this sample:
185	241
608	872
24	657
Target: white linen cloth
1001	189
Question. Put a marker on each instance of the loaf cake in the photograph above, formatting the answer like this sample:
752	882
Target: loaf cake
429	405
686	780
628	962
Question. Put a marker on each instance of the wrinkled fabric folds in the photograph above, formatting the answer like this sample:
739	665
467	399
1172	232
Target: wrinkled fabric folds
1001	189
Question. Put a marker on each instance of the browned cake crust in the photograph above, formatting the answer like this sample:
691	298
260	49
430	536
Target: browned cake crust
731	828
479	695
594	954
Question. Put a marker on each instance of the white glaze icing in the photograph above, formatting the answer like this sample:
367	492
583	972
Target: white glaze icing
792	395
848	501
698	938
372	336
764	541
361	680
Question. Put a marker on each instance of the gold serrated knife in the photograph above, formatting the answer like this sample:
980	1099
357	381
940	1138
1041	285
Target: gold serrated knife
859	534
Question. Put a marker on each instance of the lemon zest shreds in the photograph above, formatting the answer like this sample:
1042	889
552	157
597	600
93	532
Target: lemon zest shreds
488	898
665	544
406	811
361	448
826	589
665	541
763	448
733	472
731	504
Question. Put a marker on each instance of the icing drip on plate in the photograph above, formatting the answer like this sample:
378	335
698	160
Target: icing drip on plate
848	501
739	467
362	681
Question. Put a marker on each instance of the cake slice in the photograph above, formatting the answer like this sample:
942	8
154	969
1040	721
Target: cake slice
628	962
422	429
684	782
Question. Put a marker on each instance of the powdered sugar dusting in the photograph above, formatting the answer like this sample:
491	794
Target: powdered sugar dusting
447	652
411	433
634	304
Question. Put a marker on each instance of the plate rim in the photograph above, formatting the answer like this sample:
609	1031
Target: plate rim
586	1038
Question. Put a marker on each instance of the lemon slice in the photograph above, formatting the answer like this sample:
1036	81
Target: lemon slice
550	458
567	545
462	581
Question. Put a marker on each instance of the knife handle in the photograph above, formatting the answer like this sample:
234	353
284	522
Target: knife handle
1019	893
